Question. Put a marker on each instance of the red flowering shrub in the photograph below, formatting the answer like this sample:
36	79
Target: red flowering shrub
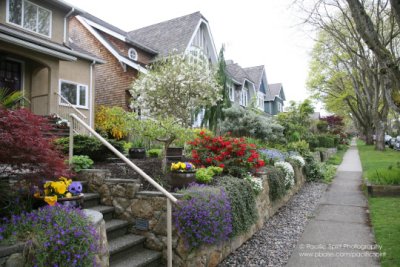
233	154
24	149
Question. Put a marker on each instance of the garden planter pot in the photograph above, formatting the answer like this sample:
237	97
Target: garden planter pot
137	153
182	179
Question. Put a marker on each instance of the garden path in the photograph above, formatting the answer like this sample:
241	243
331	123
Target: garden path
339	234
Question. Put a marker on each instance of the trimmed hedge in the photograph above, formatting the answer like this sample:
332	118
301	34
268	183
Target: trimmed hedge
326	141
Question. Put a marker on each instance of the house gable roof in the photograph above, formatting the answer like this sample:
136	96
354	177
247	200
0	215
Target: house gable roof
237	73
256	74
171	36
275	90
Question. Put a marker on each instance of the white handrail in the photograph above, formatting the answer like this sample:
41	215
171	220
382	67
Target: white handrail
70	105
170	197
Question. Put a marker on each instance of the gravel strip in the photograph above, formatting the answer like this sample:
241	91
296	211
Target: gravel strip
274	243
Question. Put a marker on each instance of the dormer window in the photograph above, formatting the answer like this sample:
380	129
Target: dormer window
29	16
132	54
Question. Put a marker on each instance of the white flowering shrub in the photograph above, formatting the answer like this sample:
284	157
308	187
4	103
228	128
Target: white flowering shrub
287	168
299	160
256	183
176	86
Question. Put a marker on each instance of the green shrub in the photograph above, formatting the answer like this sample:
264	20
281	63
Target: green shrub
89	146
154	153
326	141
205	175
312	169
327	171
243	203
313	142
81	162
300	146
277	183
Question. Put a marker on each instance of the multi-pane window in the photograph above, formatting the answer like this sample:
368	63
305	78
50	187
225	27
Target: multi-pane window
244	97
261	101
76	94
29	16
231	91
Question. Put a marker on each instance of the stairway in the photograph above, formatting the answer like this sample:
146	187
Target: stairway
55	131
126	250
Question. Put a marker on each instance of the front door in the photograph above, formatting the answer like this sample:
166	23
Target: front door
10	75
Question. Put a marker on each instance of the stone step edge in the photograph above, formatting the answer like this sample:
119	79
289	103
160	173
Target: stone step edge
119	244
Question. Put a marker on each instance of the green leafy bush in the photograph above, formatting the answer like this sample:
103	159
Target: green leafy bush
243	203
326	141
328	171
81	162
300	146
205	175
277	182
154	153
313	142
312	169
89	146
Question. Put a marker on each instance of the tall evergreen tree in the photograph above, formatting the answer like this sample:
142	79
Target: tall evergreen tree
214	115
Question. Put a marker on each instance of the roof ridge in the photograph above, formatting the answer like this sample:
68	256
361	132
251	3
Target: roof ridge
169	20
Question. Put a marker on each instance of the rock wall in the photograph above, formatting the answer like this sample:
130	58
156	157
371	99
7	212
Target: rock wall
146	210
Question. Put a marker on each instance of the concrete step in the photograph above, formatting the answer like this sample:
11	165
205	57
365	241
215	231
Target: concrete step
107	211
138	258
123	245
116	228
90	200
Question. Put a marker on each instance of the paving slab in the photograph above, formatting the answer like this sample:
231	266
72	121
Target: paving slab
341	213
339	233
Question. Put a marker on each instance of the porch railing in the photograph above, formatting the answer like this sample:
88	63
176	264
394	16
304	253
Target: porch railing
75	120
64	108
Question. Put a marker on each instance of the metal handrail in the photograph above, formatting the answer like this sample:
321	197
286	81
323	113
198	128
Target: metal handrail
169	196
70	105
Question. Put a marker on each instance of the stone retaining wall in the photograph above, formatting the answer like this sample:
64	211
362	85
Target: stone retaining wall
146	210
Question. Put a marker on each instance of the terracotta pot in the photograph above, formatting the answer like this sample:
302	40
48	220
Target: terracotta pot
182	179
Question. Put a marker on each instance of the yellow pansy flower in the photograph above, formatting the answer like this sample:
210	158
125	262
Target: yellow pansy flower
68	195
59	187
51	200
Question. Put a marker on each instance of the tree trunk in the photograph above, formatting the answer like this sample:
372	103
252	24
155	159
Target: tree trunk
164	157
380	129
368	136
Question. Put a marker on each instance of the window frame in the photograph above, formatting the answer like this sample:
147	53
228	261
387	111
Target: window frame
231	91
129	54
244	97
37	19
78	85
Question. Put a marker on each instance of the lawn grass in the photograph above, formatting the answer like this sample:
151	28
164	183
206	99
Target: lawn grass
385	211
373	161
385	218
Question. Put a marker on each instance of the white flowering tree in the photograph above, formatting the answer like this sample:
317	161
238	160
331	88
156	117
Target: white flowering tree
176	86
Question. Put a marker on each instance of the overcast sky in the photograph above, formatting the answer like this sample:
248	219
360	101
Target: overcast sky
255	32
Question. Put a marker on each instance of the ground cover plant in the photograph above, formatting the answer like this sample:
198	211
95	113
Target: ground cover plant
203	216
54	236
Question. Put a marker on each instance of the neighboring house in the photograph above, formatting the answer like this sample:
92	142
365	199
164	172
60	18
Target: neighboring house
274	99
36	58
128	53
241	88
259	77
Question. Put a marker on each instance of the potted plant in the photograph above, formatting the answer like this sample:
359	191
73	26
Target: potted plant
62	191
138	150
182	174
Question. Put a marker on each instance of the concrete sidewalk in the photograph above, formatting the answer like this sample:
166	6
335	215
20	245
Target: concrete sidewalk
339	234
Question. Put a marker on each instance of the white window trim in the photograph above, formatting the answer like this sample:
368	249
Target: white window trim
231	91
244	97
78	94
129	54
22	18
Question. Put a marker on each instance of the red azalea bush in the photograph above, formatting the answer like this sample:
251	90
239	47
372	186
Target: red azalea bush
24	149
235	155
